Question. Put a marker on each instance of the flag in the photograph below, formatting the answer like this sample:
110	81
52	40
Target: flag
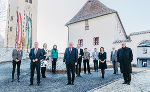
19	33
31	33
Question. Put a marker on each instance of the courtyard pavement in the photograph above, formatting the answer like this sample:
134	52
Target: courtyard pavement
53	83
140	83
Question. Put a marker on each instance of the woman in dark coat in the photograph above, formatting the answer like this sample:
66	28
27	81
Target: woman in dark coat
102	61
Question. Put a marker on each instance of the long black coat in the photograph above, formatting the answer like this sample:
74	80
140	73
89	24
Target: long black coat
125	57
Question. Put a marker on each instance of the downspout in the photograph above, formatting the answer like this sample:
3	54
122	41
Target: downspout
68	35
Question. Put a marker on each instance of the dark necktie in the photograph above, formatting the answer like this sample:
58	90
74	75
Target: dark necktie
35	52
70	50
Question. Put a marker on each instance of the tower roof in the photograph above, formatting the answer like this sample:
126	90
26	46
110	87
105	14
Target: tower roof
92	9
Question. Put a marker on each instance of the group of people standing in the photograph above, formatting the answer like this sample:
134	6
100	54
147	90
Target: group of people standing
73	58
38	57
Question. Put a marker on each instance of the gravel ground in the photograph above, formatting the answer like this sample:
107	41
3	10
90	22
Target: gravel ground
53	83
140	83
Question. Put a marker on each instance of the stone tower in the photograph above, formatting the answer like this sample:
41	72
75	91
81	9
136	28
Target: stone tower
21	27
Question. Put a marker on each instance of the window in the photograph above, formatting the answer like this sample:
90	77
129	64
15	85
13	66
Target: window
144	50
86	25
30	1
96	41
10	29
80	41
26	0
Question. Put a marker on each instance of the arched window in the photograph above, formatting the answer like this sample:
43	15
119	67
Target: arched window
30	1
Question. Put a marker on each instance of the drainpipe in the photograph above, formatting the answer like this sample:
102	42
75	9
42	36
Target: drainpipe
68	35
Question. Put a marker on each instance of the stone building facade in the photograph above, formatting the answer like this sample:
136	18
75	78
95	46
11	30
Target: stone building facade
96	25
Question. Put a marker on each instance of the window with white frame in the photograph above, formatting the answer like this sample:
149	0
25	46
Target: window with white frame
80	42
144	50
96	41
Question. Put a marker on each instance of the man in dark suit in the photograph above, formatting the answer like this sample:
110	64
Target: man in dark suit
125	57
78	66
70	59
35	56
114	60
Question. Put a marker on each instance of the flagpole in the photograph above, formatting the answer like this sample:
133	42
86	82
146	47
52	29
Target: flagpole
16	29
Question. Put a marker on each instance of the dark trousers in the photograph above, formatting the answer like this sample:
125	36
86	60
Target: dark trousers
78	66
127	77
88	66
70	69
115	66
43	70
95	65
54	65
14	68
103	72
34	66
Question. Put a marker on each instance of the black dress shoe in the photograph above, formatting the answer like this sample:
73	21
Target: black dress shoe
128	83
89	73
68	83
44	77
12	80
30	84
72	83
102	77
38	84
124	83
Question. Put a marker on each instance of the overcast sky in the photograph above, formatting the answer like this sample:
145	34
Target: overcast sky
53	14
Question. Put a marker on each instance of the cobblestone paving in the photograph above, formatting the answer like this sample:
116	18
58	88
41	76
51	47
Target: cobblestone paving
140	83
53	83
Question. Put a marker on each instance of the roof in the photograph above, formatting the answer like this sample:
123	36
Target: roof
138	33
120	41
92	9
145	43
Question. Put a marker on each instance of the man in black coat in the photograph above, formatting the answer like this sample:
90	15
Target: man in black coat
125	57
80	55
70	59
35	57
